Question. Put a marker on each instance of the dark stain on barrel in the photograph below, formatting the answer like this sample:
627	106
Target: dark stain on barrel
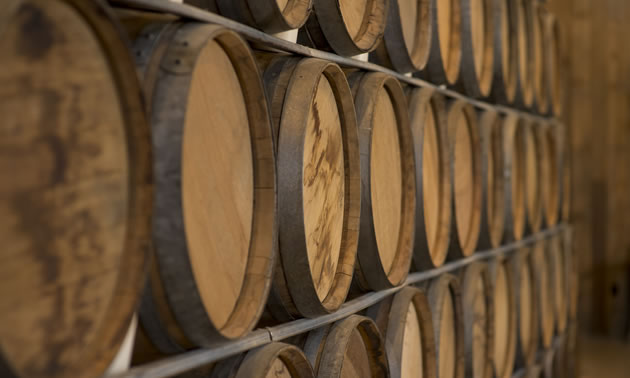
37	32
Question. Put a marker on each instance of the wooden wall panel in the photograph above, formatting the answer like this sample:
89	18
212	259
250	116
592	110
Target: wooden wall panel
597	61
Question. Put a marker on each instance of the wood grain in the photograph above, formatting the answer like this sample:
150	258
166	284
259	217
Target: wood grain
406	324
514	160
466	177
525	91
505	318
544	290
407	39
323	187
74	194
349	348
270	16
446	353
542	77
505	44
386	179
532	179
347	27
207	141
550	185
477	47
527	307
427	114
388	182
559	283
446	37
216	131
319	185
445	26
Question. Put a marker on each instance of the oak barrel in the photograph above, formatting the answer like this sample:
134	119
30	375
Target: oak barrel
477	49
346	27
491	128
533	169
514	176
388	182
318	185
405	322
479	322
559	281
571	262
549	161
565	172
427	114
523	268
75	188
445	52
274	360
552	62
270	16
465	156
542	79
525	53
448	324
544	292
215	186
352	347
505	316
407	37
505	52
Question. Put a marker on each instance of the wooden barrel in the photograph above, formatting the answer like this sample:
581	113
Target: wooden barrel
559	282
541	74
405	322
552	62
463	133
479	323
505	316
407	38
525	61
388	182
427	113
445	53
448	324
215	186
275	360
349	348
477	49
505	52
533	163
514	176
347	27
534	371
75	188
523	270
270	16
492	167
549	172
318	185
544	292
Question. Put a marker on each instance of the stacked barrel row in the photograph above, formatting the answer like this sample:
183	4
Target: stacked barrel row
224	188
513	313
505	50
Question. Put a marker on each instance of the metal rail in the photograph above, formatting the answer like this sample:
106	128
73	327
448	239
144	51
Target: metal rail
254	35
196	358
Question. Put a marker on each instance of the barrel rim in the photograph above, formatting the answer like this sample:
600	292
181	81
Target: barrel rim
477	81
333	341
293	358
504	85
419	100
492	225
272	19
501	262
449	284
176	66
459	248
366	88
526	354
439	71
337	36
136	251
306	75
514	137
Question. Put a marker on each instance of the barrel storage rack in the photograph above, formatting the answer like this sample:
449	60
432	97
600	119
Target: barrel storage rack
493	291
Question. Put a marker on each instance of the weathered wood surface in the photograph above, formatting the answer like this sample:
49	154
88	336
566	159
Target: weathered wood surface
75	188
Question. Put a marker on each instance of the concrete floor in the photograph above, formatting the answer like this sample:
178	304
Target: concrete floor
603	358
